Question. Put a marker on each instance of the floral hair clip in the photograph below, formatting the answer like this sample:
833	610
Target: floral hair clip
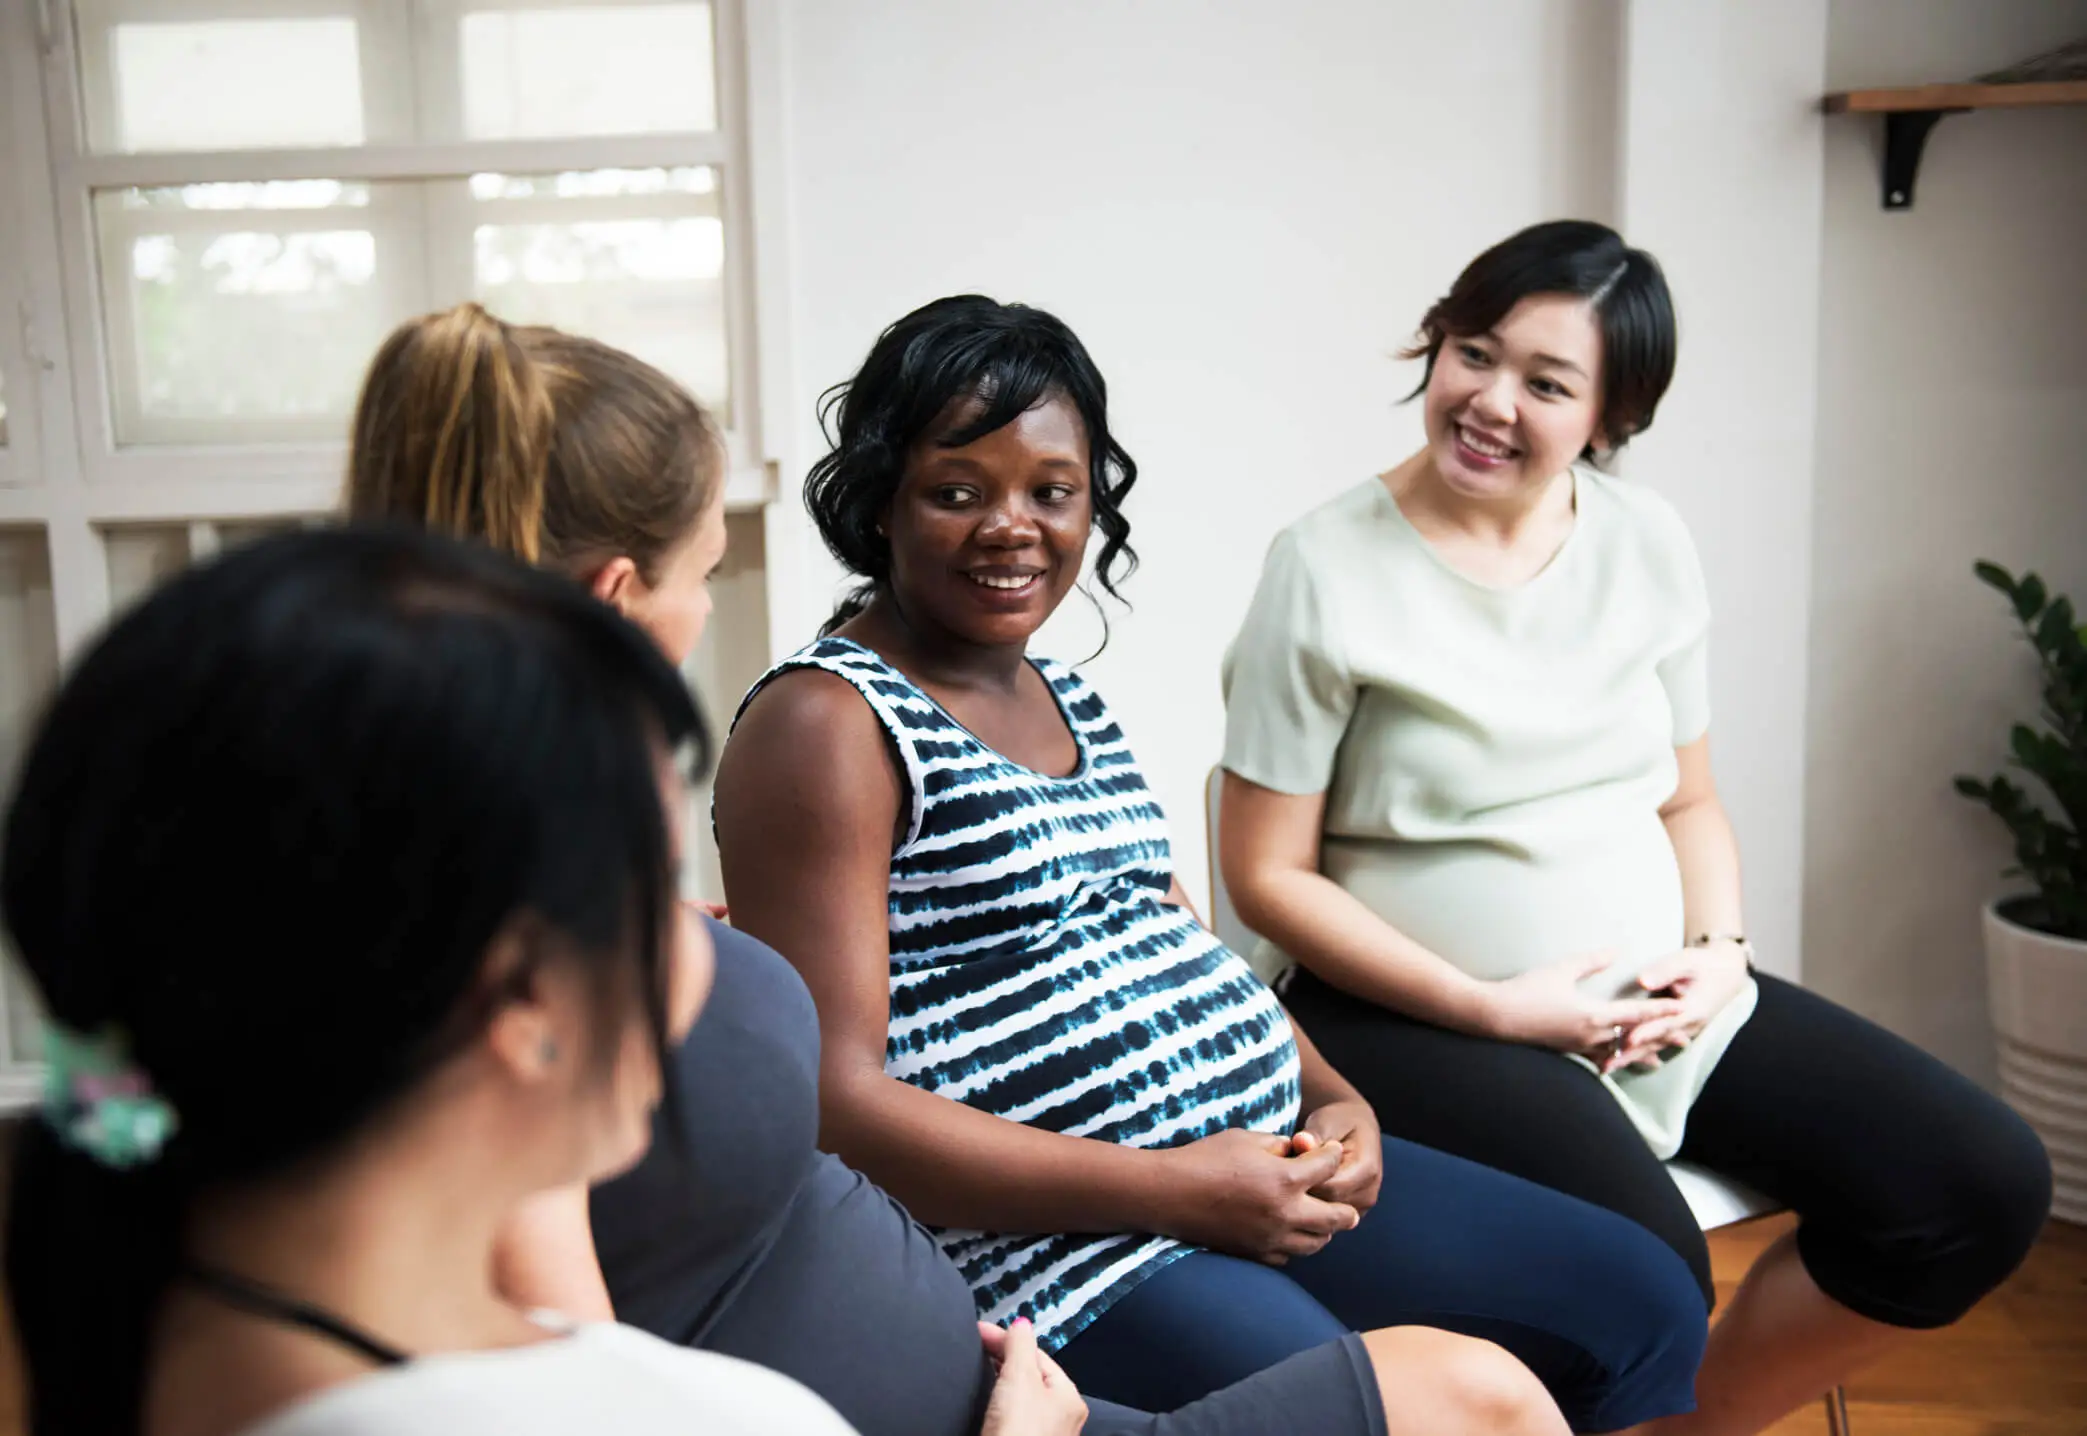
99	1101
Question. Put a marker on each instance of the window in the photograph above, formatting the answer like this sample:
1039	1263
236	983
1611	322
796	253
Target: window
211	211
251	193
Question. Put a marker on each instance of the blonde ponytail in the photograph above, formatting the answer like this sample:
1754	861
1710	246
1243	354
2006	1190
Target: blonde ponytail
557	449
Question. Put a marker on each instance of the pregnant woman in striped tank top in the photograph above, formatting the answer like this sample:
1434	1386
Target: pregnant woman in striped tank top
1114	1130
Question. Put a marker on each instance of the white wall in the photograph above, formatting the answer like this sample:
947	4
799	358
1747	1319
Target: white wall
1244	209
1952	426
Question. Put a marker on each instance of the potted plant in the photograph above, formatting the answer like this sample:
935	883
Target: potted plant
2036	941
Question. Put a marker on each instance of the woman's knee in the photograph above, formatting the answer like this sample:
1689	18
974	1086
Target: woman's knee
1955	1235
1668	1317
1436	1382
1993	1208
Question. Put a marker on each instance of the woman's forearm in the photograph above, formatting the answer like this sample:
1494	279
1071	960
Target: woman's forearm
954	1166
1707	852
1329	932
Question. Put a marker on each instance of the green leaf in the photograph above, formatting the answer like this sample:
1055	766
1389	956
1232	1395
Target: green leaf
2054	632
2045	814
2029	597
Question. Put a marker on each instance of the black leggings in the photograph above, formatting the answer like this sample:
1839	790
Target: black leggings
1916	1191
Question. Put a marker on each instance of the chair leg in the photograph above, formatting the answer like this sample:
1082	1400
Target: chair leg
1837	1411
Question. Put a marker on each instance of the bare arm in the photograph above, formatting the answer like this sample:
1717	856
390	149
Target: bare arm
1269	854
1703	975
808	798
1704	847
544	1257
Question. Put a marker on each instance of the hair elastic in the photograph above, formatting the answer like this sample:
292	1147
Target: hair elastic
99	1101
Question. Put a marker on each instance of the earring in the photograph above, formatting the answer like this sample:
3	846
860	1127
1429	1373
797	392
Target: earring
548	1050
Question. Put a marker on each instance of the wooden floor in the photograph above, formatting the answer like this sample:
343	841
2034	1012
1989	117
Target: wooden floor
2017	1366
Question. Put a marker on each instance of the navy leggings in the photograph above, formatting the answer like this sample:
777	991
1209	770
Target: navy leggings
1603	1312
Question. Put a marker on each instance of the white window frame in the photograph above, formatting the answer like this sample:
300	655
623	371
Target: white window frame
303	477
61	472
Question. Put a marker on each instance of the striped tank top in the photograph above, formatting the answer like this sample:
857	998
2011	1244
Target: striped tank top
1038	974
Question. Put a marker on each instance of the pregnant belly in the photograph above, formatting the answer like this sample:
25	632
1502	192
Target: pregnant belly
1494	914
857	1302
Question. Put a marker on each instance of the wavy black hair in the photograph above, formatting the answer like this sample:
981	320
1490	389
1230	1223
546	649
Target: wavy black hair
1009	358
1584	260
267	831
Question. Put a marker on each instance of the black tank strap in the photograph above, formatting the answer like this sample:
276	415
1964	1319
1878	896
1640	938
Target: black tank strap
262	1301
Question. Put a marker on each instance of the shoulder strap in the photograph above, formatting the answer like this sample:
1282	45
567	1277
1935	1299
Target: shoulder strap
881	687
262	1301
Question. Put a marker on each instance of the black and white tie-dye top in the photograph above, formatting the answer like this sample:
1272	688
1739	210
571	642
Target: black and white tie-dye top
1037	973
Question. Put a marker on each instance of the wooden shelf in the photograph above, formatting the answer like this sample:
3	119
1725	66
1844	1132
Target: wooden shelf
1956	97
1910	111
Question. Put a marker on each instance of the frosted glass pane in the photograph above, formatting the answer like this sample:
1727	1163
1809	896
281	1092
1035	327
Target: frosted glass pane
652	285
586	69
247	311
272	74
243	313
248	83
28	668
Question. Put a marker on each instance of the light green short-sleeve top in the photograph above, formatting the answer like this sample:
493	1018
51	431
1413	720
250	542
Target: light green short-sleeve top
1494	760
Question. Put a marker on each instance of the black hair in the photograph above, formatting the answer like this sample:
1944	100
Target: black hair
268	831
1587	261
1009	358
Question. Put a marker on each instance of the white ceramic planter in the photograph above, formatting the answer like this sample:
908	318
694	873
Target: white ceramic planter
2037	985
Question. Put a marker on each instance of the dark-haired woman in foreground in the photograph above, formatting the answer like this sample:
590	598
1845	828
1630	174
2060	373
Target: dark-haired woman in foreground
1029	1039
734	1234
344	867
1469	794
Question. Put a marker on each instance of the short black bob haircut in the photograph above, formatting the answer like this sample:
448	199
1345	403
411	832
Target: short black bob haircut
1008	358
1585	260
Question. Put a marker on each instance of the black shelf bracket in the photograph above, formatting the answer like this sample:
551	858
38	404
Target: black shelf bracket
1905	136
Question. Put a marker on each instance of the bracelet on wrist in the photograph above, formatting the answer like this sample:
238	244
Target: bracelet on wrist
1737	939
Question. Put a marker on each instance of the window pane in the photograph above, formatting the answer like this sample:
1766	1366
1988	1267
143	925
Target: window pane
586	69
28	668
245	313
242	312
651	283
273	74
257	82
